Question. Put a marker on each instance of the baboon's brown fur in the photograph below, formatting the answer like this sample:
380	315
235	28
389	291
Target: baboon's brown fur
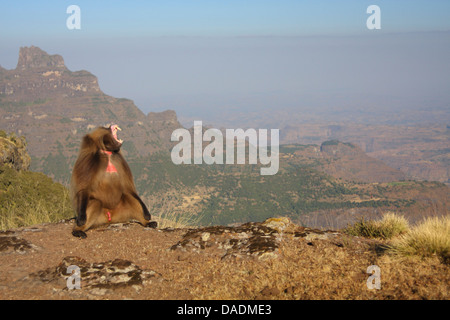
100	194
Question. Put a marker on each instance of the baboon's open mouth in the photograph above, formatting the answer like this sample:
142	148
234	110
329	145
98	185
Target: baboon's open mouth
114	129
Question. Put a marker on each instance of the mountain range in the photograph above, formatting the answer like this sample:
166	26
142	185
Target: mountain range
414	140
327	183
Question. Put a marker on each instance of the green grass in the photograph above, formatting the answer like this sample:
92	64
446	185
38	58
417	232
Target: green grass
241	194
398	183
28	198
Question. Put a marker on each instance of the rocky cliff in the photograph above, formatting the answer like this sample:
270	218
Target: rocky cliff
348	161
39	75
35	58
13	152
54	107
421	151
344	161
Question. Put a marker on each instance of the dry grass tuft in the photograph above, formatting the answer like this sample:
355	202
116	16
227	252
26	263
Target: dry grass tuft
390	226
431	237
175	220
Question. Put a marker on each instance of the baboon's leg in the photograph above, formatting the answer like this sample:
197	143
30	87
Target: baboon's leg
93	214
82	199
147	215
135	209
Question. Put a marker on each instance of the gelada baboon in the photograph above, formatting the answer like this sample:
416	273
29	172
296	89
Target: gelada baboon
103	190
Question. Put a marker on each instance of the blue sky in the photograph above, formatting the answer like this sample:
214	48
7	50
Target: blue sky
219	18
191	55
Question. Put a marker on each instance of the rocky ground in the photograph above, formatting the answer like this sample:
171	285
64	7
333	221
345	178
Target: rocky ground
275	259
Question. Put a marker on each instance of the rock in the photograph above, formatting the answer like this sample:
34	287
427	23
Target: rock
316	235
168	116
279	224
253	239
9	242
250	239
13	152
99	278
205	236
34	57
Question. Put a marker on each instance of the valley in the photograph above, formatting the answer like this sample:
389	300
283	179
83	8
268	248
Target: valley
330	172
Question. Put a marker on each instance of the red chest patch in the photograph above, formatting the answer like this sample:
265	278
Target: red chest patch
110	168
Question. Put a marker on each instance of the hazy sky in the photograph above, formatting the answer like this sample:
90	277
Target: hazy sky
27	19
200	55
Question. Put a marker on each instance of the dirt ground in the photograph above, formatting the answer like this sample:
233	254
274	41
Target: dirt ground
271	260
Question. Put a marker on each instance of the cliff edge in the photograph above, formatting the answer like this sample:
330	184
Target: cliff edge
274	259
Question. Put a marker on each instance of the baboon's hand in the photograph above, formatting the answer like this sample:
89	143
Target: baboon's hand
152	224
79	234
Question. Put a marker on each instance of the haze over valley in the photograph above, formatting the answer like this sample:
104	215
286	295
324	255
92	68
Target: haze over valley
323	182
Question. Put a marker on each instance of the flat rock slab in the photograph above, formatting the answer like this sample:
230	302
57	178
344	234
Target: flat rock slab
255	239
98	278
11	242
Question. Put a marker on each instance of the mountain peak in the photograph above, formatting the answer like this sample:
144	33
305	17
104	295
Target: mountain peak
33	57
